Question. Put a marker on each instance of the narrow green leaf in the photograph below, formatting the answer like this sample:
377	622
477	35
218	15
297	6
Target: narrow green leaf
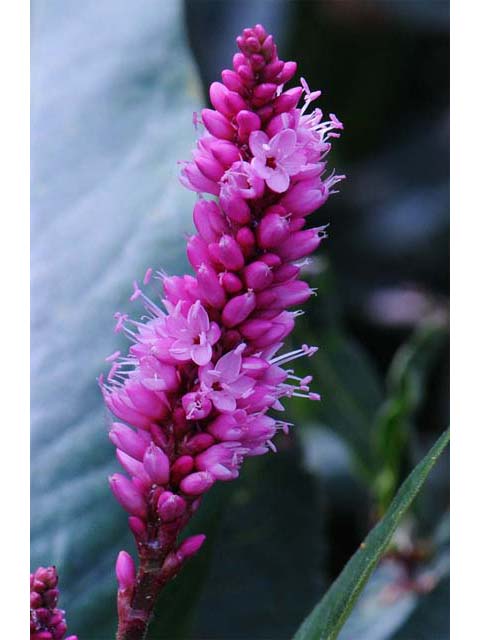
406	384
328	617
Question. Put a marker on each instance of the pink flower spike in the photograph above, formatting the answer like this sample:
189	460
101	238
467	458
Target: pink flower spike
205	365
125	570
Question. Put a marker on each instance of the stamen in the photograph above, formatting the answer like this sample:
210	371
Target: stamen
148	275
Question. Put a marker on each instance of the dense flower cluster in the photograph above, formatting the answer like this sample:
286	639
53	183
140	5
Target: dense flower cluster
46	621
203	369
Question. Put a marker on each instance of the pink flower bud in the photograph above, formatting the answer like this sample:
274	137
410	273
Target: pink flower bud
247	121
227	252
174	288
181	467
192	178
218	93
197	252
128	495
211	168
232	81
278	331
125	570
210	289
199	442
238	309
236	208
288	100
50	598
127	440
245	238
170	506
235	102
286	272
271	259
197	483
191	546
257	275
305	196
217	124
156	464
265	91
134	468
238	60
246	74
137	527
231	283
284	295
300	244
225	428
272	69
254	328
35	600
272	231
225	152
287	73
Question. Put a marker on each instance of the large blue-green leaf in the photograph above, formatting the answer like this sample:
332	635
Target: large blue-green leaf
112	95
329	616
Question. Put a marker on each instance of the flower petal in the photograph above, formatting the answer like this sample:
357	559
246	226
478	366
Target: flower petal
241	387
229	366
198	320
223	401
283	143
279	180
261	168
181	350
201	353
256	141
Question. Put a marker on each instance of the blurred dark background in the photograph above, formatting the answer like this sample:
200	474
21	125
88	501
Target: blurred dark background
106	204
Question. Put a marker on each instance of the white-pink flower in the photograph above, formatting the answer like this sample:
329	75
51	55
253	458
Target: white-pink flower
276	159
195	335
224	384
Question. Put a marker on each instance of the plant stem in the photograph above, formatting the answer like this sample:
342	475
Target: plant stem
135	609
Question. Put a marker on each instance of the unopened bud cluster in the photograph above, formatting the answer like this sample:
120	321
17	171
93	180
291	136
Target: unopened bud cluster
204	368
47	622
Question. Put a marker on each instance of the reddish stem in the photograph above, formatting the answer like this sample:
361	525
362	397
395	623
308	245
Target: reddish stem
135	609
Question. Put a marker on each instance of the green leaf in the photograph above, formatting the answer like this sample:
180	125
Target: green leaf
111	115
328	617
406	383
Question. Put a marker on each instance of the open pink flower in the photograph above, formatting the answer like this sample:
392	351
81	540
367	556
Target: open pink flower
277	159
195	335
241	181
224	384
